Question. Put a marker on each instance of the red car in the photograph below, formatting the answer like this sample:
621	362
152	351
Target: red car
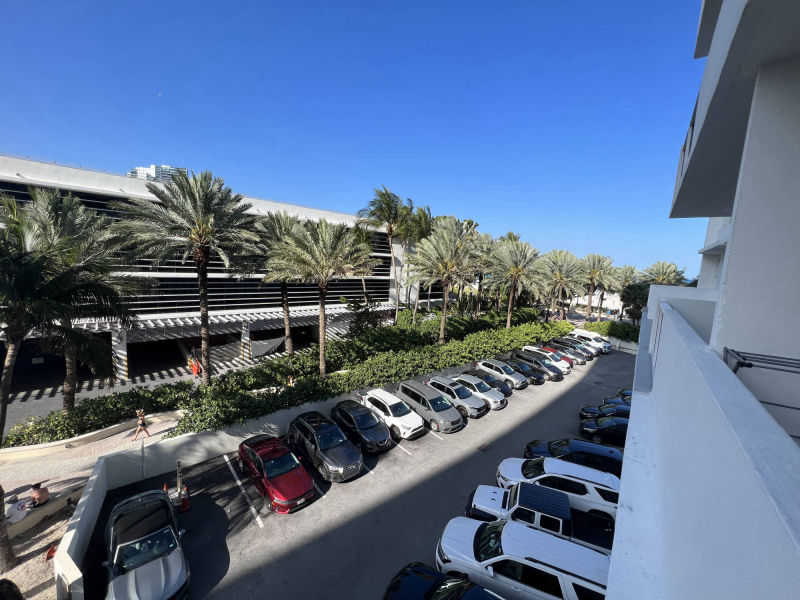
280	479
559	355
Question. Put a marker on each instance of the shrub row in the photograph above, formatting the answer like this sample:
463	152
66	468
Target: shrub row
622	331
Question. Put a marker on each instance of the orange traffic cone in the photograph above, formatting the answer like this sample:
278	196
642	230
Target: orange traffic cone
165	487
51	552
185	503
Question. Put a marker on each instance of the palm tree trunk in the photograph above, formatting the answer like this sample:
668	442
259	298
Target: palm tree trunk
563	310
430	289
201	262
497	298
444	312
287	323
480	289
405	277
323	333
8	560
600	307
364	289
416	306
510	303
460	293
13	343
589	301
70	372
396	282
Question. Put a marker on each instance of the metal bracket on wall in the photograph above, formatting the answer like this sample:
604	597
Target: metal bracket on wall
760	361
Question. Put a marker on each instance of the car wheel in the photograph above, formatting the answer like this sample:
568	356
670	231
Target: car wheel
323	470
434	425
268	506
395	433
463	412
597	439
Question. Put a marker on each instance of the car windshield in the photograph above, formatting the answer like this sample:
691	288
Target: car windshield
400	409
330	437
138	552
523	367
482	387
489	378
546	362
366	421
275	467
532	468
605	421
461	392
438	404
487	541
506	369
558	448
451	589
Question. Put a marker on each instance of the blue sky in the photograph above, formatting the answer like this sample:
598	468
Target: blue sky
559	120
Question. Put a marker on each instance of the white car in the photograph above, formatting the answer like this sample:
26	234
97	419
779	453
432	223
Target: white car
595	341
397	415
589	490
520	563
561	365
502	372
494	399
466	404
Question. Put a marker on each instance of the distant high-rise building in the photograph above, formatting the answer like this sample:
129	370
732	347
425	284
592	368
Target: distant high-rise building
155	172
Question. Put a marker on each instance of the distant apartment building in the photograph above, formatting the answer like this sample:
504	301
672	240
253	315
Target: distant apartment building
710	497
159	173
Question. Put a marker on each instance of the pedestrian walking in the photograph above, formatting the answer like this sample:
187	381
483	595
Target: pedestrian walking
141	424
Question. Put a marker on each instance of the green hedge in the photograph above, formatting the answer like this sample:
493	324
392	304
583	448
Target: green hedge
622	331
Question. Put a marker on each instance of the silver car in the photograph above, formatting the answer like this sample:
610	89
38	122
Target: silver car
502	372
494	399
467	404
145	556
429	404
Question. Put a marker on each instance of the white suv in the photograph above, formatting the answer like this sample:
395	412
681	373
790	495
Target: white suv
397	415
589	490
520	563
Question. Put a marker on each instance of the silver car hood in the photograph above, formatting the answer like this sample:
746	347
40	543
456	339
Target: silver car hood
154	580
489	499
494	395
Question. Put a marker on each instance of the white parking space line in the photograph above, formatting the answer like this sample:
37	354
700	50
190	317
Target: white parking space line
403	449
436	436
244	493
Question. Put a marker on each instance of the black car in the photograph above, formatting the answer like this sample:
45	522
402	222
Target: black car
626	400
625	392
550	374
491	381
605	430
325	445
362	426
418	581
604	410
534	377
588	353
585	356
580	452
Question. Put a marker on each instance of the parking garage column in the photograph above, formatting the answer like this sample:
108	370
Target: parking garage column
247	350
119	354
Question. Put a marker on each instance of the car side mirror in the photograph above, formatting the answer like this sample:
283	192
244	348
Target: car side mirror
181	533
490	571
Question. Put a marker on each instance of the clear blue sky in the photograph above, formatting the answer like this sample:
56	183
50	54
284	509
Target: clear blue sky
559	120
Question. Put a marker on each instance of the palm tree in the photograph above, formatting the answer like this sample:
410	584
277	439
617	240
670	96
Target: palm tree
364	237
75	235
386	211
444	256
197	216
419	226
663	273
563	276
599	271
320	252
515	263
483	247
627	275
272	229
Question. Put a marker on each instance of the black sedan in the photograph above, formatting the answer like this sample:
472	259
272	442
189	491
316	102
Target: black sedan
362	426
579	452
604	410
605	430
491	381
626	400
418	581
625	392
534	377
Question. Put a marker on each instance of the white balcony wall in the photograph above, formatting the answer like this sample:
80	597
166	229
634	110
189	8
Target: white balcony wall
697	305
708	505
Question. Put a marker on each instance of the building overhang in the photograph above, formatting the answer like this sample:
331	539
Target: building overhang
746	35
717	247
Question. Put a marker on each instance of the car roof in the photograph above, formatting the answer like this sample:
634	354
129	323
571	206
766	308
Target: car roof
585	446
352	407
382	394
554	466
444	380
566	556
492	361
264	444
140	515
427	392
469	378
315	419
609	421
544	499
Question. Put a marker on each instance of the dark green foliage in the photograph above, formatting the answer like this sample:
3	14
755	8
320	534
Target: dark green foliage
622	331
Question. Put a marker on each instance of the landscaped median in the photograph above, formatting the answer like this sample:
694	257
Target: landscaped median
373	358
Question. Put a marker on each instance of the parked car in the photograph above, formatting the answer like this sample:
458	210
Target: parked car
571	350
590	351
418	581
326	446
534	377
493	399
592	340
282	482
398	416
625	392
503	372
626	400
521	563
605	430
144	549
438	412
491	381
580	452
604	410
548	361
588	489
537	364
465	403
541	508
362	426
564	354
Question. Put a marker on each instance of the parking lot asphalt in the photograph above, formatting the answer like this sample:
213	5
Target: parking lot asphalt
351	540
